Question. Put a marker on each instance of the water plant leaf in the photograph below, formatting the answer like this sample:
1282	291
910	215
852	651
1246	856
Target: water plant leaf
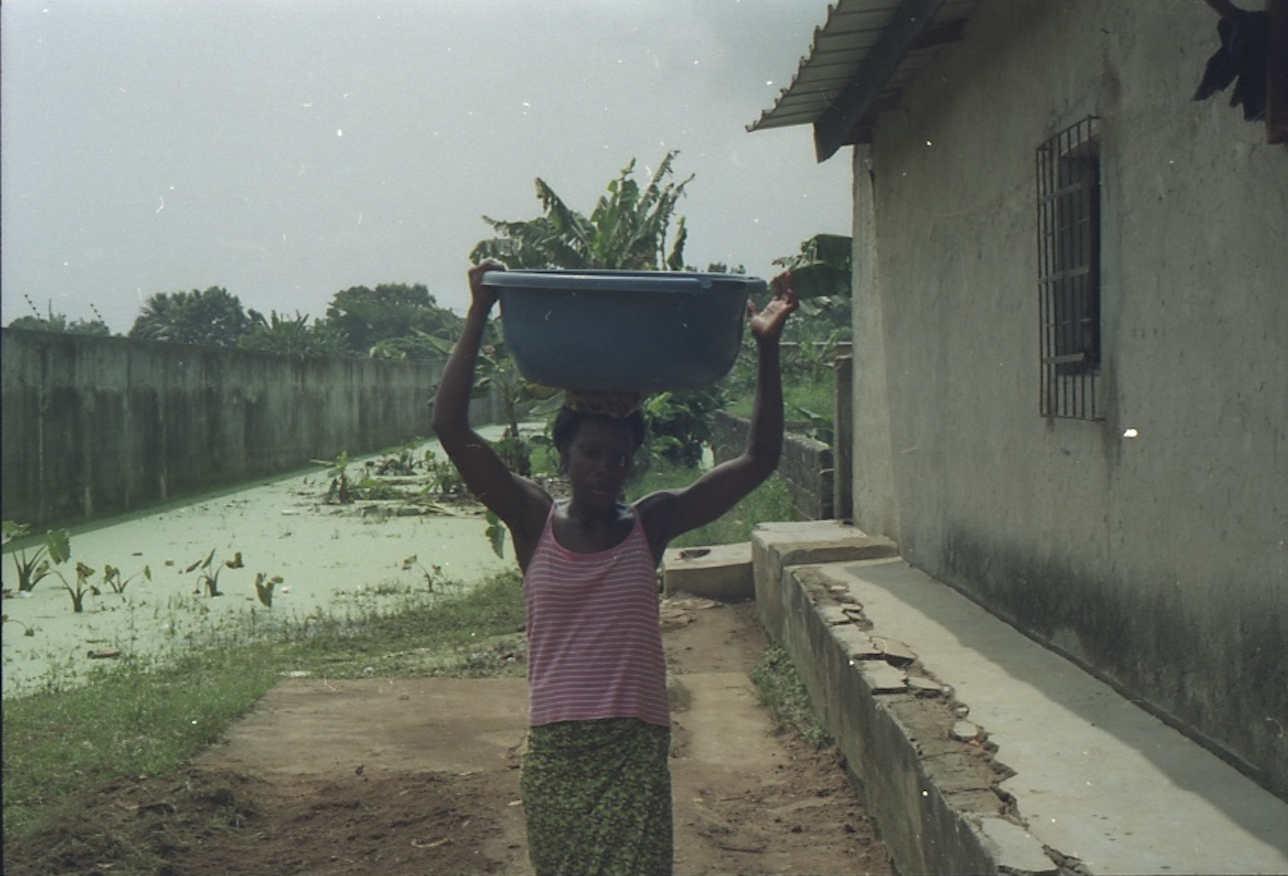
496	534
264	587
59	544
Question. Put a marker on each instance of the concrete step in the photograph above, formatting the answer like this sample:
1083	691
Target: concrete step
717	572
978	750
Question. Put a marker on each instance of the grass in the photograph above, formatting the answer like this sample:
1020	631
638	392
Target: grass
818	398
815	396
150	719
134	723
780	689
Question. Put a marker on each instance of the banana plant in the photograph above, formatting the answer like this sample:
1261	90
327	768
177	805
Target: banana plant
630	228
823	267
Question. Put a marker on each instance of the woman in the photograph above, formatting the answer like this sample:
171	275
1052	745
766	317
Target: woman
596	780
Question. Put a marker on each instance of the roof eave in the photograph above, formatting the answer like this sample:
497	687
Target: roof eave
850	76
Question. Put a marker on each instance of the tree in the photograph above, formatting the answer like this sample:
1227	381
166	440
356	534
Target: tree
392	316
627	230
211	318
280	334
58	322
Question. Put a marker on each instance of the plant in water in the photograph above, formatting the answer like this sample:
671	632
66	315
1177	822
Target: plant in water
400	461
443	476
431	574
264	587
112	577
26	630
338	471
208	571
39	564
81	588
495	533
377	479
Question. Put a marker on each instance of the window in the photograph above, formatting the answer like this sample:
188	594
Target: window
1068	168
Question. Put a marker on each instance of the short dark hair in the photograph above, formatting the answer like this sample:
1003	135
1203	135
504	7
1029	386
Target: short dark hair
568	421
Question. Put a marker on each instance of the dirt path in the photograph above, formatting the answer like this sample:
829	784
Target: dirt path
407	776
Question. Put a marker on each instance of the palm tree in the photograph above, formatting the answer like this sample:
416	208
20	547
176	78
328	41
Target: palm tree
627	230
212	317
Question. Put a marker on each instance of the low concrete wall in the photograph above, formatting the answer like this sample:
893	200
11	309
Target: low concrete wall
95	426
926	797
807	465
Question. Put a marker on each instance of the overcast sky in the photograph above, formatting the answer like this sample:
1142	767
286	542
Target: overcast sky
288	149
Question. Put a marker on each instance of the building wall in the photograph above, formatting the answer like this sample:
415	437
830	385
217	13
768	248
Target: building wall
96	426
1158	561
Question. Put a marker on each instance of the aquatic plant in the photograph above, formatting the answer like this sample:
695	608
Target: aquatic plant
38	564
208	571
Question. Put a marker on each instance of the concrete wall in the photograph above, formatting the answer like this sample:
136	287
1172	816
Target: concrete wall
1160	561
806	466
927	798
97	426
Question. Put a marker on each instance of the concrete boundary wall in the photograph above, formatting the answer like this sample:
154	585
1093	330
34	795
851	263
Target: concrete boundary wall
95	426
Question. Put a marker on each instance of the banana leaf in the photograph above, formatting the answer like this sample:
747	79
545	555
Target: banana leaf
822	267
818	281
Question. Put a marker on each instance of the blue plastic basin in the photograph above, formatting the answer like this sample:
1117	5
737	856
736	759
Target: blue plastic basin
644	331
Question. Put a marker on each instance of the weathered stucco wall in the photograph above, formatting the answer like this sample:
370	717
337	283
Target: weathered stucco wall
96	426
1158	561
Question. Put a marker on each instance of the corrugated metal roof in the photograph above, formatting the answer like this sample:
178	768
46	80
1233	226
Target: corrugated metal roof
858	63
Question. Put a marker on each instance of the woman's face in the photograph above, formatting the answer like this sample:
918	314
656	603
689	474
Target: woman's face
599	461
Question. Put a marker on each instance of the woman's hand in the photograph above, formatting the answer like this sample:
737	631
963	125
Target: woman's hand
767	325
482	295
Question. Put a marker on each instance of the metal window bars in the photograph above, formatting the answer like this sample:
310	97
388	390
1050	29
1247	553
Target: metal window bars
1068	200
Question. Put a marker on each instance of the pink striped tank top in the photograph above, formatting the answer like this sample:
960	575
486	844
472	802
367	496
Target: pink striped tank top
594	647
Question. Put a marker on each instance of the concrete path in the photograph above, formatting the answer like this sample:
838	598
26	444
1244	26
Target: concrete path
1097	779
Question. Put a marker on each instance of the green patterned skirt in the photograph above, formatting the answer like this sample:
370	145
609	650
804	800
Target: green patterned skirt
597	798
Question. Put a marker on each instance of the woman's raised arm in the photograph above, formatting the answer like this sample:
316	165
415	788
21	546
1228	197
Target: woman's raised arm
516	500
670	513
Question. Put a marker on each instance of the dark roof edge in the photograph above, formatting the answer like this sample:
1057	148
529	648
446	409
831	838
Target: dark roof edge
839	122
858	61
